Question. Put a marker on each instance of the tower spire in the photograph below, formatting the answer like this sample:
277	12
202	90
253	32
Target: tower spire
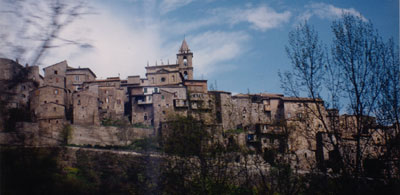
184	47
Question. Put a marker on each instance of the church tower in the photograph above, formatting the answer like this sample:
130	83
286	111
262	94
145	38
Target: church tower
185	57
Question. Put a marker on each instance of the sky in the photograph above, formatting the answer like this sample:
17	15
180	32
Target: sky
238	46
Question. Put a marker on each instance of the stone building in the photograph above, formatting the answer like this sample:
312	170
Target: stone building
17	81
75	77
268	123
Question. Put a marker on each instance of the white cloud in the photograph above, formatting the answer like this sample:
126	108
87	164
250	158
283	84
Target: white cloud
214	48
327	11
263	18
123	45
170	5
118	48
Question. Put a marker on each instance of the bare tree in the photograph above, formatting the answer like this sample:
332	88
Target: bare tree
360	69
355	52
311	69
34	27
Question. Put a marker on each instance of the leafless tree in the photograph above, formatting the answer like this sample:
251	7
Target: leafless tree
360	69
355	52
34	27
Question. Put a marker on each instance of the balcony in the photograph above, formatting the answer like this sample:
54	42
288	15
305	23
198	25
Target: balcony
180	103
143	102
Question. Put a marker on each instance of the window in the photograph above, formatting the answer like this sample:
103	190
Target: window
118	101
162	97
145	90
56	80
76	78
55	72
45	102
173	78
23	95
184	61
55	109
56	92
106	92
79	102
185	75
107	100
152	80
162	79
145	117
23	87
156	90
57	101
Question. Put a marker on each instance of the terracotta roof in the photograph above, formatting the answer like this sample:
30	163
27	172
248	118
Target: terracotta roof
300	99
62	62
216	91
88	69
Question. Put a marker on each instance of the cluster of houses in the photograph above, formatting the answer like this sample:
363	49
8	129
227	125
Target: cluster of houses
267	122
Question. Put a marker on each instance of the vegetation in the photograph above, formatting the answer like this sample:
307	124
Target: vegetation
66	134
357	75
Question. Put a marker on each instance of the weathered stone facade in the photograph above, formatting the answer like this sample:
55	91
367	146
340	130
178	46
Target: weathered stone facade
267	122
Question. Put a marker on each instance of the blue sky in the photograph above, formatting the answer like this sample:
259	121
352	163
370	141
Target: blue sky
239	44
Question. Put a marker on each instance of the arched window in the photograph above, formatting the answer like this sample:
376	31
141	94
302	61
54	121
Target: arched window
162	79
185	62
173	78
185	75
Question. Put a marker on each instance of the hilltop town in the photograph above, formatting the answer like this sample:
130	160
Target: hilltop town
68	96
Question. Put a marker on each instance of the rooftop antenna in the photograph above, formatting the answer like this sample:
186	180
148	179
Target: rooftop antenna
147	63
168	61
162	63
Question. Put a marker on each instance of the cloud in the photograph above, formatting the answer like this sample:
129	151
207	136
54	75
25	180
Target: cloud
262	18
117	48
214	48
170	5
122	44
327	11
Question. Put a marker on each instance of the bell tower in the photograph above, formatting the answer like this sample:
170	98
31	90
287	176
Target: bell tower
185	57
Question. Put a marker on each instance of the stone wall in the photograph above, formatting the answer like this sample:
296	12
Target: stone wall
106	135
86	110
